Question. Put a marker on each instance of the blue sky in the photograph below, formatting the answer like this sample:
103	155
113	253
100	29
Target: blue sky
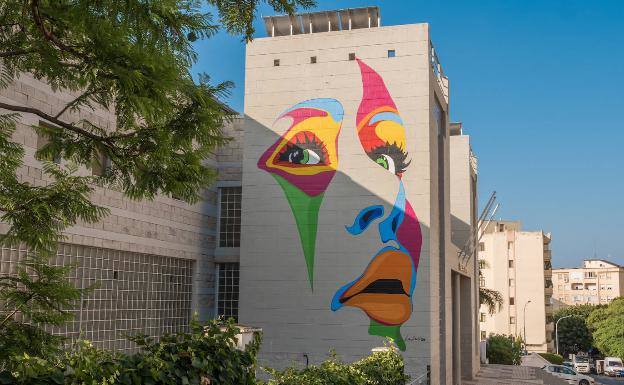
539	86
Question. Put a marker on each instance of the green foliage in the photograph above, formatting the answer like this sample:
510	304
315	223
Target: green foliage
207	354
40	294
574	335
505	350
552	358
607	325
380	368
134	59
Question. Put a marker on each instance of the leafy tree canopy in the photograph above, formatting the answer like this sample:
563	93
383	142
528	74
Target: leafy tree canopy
607	325
574	335
129	57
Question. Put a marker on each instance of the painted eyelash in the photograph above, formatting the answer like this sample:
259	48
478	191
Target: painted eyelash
309	143
395	152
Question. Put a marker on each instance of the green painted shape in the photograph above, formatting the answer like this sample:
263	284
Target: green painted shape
394	332
305	210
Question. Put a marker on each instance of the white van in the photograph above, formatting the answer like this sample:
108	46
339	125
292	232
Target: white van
613	367
581	363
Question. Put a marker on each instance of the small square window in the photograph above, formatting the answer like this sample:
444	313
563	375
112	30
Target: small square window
276	63
352	56
391	53
511	263
512	320
483	335
512	301
313	59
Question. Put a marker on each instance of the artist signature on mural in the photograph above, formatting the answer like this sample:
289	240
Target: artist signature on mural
415	339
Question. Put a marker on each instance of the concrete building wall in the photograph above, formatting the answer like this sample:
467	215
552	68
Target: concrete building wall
597	282
296	304
175	238
517	265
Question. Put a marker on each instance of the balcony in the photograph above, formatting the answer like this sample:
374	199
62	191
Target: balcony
547	255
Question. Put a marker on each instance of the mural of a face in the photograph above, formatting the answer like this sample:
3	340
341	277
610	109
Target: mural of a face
304	161
385	288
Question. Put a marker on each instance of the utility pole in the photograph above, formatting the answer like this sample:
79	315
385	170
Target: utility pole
557	330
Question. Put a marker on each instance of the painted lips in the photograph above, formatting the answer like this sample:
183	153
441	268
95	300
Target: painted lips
382	291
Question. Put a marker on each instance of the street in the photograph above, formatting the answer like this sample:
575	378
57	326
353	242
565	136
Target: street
608	380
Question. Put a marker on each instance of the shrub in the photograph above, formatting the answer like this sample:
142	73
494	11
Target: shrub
380	368
207	354
502	349
552	358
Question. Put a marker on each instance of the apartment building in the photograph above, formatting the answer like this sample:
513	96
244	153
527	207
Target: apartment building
517	264
347	204
154	262
598	282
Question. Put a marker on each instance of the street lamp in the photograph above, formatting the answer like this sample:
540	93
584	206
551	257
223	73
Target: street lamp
557	330
524	322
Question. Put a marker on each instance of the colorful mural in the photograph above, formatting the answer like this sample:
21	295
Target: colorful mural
303	161
384	291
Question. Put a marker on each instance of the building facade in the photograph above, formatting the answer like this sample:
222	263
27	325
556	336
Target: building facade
154	262
347	203
598	282
517	264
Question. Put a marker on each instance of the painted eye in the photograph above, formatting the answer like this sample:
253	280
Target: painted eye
386	162
304	156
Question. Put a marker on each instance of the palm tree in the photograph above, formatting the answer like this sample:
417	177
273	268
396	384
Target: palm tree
488	297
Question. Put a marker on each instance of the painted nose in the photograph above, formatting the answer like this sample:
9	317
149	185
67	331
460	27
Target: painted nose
388	227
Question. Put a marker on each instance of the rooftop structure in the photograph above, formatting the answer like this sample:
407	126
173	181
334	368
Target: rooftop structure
325	21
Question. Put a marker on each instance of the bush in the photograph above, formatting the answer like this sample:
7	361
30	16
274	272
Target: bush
207	354
505	350
552	358
380	368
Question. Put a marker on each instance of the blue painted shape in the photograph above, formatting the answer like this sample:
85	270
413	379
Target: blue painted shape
365	218
388	227
332	106
386	116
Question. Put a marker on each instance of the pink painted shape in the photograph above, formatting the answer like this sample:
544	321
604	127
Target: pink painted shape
375	93
409	234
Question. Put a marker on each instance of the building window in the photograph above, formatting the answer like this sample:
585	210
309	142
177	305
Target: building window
511	263
482	264
100	163
483	335
481	282
227	290
482	317
276	63
509	245
481	246
352	56
512	320
313	59
391	53
512	301
230	216
42	140
590	274
511	282
501	227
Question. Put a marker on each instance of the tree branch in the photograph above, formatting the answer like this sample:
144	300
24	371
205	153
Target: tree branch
54	120
85	95
16	52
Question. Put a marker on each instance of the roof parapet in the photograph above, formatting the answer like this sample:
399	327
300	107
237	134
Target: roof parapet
324	21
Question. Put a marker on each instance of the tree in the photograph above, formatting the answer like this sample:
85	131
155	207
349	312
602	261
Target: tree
505	350
607	326
132	58
574	336
492	299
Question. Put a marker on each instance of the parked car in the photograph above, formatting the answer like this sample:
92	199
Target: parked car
613	367
569	375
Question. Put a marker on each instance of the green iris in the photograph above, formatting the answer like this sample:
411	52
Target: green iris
305	157
382	161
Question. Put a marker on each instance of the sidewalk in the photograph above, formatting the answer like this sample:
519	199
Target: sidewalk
505	374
